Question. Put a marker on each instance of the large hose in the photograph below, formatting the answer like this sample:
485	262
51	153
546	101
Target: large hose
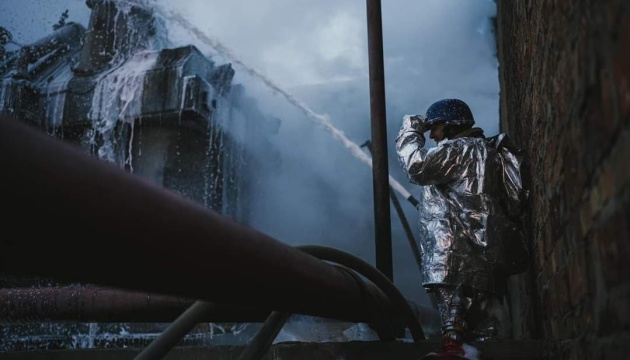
264	338
375	276
261	342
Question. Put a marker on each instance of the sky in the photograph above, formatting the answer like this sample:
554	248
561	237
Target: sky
316	50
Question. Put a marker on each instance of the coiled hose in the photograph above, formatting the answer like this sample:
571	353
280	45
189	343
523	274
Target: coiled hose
272	326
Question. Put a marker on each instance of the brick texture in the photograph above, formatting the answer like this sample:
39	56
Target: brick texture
565	99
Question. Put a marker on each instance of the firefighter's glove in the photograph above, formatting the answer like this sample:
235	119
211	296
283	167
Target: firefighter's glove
416	122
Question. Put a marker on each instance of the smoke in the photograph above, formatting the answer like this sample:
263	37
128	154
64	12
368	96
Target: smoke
321	119
312	189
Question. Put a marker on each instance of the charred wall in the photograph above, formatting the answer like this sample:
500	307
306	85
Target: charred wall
565	98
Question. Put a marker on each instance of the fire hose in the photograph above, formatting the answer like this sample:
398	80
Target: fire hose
261	342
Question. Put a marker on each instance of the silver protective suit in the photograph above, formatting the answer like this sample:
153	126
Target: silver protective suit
471	193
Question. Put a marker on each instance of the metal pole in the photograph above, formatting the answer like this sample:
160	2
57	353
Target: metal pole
380	169
71	217
261	342
176	331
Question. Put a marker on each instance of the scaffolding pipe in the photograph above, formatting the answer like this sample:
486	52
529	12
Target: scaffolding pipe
176	331
71	217
261	342
380	168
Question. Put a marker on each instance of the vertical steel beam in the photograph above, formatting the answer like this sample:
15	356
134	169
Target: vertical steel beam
380	170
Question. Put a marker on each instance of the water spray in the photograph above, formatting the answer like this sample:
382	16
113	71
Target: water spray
323	120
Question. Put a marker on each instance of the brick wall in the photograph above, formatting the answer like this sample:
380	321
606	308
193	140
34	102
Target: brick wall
565	98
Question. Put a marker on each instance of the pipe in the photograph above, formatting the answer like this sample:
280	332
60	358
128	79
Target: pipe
263	339
97	304
376	277
176	331
71	217
380	168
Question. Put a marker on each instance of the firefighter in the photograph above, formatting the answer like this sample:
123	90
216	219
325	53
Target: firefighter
470	219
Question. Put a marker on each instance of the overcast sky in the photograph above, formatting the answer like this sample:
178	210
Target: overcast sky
317	50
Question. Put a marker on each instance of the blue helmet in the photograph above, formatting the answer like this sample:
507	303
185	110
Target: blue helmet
452	112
